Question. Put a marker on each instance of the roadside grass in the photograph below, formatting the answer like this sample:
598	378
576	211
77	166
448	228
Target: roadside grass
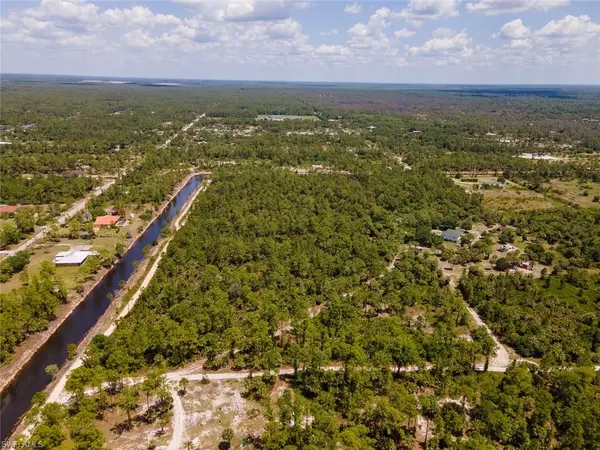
37	257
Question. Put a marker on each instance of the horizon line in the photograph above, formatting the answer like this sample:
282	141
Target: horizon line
447	83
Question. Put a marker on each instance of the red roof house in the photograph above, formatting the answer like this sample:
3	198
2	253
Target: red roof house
106	221
8	209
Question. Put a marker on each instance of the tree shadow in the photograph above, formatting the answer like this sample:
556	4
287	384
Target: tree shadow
224	445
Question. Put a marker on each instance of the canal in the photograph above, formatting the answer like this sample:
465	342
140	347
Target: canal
17	396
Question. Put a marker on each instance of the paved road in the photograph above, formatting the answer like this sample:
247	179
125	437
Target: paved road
62	219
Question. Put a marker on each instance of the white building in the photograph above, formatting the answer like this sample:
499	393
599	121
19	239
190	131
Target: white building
73	258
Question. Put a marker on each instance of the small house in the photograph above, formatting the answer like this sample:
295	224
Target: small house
452	235
73	258
106	221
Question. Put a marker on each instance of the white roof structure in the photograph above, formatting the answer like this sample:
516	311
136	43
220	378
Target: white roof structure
72	258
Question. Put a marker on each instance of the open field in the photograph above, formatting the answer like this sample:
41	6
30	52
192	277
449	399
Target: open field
510	200
574	192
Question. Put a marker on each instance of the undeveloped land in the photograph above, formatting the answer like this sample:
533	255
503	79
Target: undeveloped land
510	200
212	407
575	193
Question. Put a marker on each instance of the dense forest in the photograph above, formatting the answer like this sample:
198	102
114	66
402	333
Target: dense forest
558	316
43	189
313	249
262	247
30	308
574	232
522	408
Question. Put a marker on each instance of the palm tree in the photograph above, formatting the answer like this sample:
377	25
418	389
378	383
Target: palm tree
183	384
128	401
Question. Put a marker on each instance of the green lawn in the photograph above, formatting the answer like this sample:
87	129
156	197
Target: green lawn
585	302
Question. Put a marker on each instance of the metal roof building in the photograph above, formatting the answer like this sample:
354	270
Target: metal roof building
452	235
73	258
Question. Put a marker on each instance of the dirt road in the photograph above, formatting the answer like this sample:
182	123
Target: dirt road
57	392
183	130
502	360
178	422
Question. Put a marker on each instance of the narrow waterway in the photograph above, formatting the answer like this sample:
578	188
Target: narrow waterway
17	396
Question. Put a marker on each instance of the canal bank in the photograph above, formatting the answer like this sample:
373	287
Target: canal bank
32	378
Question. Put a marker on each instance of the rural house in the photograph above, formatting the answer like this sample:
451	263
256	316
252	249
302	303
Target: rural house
73	258
106	221
452	235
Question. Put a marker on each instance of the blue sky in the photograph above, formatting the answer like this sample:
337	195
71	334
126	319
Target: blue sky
426	41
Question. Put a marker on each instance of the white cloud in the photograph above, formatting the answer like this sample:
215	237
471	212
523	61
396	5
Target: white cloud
239	34
514	30
138	16
404	33
372	36
245	10
6	24
285	29
443	33
444	41
429	9
65	11
353	8
521	43
332	32
414	24
570	26
495	7
138	39
336	50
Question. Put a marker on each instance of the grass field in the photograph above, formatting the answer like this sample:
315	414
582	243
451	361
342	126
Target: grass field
105	240
573	192
4	222
584	302
510	200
